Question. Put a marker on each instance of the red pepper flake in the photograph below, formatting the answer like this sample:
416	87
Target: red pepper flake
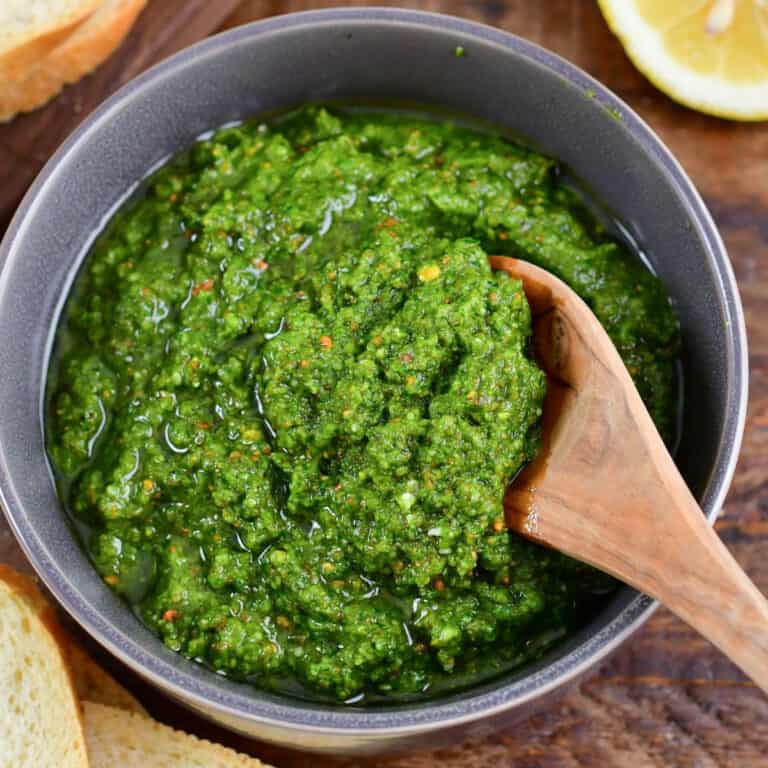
303	363
503	236
170	615
326	341
498	526
261	264
390	221
206	285
406	357
439	585
173	197
202	425
112	580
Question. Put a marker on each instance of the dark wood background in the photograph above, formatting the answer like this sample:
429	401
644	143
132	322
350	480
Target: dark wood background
666	698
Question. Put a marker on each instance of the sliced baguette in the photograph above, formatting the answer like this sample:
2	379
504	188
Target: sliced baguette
76	55
40	721
92	683
30	29
119	738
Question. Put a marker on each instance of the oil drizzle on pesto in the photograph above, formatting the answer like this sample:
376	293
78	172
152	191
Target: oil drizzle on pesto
289	394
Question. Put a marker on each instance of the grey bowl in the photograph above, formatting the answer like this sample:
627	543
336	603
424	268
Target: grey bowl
367	55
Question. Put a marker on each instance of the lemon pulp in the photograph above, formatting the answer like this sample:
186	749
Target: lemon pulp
709	54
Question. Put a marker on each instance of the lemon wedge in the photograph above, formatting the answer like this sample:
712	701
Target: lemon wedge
711	55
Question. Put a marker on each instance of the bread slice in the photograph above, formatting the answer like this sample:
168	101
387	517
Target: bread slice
78	54
92	683
30	29
40	723
119	738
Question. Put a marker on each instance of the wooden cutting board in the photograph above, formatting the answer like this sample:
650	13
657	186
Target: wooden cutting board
164	27
667	698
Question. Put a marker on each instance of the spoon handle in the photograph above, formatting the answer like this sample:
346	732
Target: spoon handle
706	587
606	491
662	546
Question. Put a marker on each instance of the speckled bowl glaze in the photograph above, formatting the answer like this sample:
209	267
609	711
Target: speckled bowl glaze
366	55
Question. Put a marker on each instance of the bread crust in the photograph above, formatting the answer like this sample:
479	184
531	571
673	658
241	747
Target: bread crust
116	737
25	588
17	61
78	54
93	683
89	681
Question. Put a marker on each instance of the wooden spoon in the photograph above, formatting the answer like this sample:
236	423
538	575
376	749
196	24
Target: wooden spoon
605	490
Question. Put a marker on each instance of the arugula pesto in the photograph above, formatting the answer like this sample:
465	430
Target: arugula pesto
289	393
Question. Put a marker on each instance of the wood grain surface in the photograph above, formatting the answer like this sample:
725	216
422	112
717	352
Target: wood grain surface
164	27
667	697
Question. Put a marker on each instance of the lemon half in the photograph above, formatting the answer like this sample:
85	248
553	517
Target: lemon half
711	55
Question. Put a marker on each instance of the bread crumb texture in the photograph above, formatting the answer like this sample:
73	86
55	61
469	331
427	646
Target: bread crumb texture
119	738
40	722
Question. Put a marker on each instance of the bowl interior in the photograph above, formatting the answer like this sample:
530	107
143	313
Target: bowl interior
360	55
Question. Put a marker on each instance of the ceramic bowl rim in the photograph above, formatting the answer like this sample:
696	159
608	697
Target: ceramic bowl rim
425	716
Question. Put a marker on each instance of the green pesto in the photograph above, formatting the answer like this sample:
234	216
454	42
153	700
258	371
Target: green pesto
289	394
